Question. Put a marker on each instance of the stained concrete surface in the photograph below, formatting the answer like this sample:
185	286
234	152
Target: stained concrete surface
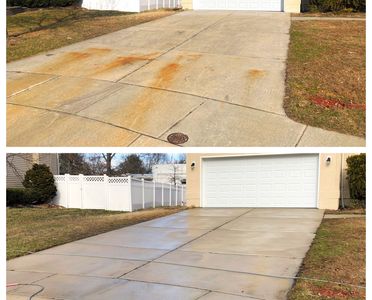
217	77
194	254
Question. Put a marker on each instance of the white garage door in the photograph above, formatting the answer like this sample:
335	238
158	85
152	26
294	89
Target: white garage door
263	5
260	181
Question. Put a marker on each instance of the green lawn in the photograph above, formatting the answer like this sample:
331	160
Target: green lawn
34	229
326	75
41	30
337	254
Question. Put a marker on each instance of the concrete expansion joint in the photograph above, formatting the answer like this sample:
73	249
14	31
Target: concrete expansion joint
254	255
82	117
92	256
228	271
184	244
301	136
205	98
167	51
35	85
181	119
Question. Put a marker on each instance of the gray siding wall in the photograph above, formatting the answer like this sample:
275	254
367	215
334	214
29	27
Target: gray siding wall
23	162
14	175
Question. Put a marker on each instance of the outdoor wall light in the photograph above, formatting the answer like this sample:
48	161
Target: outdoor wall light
328	160
193	165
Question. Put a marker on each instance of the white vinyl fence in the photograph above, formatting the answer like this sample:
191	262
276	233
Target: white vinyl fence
130	5
115	193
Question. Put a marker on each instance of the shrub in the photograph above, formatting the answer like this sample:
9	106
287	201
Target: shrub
356	175
337	5
41	181
41	3
15	197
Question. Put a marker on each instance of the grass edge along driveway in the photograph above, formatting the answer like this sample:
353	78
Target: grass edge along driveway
326	75
41	30
338	254
34	229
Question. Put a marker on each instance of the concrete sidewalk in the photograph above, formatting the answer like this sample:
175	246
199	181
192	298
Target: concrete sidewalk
217	77
194	254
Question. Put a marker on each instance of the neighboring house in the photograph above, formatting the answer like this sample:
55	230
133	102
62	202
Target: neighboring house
146	177
18	164
263	180
290	6
169	173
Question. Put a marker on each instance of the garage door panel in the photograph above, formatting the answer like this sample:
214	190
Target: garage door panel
263	181
254	5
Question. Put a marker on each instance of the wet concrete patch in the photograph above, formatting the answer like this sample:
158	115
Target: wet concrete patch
221	296
105	251
37	128
274	224
146	237
134	290
234	263
70	286
223	281
74	265
196	222
279	244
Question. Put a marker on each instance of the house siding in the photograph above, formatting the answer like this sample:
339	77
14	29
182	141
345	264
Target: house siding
24	162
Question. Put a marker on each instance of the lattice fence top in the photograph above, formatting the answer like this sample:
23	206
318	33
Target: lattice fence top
110	180
94	178
59	178
118	180
74	178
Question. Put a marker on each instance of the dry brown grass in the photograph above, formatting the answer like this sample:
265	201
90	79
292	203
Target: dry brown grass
42	30
338	254
342	14
326	75
34	229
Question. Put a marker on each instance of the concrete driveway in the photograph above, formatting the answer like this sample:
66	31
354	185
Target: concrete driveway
217	77
196	254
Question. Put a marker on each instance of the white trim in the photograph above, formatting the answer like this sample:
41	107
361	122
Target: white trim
318	190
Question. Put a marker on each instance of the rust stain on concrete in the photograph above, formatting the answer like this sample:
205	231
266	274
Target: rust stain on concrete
166	75
70	58
256	73
142	108
122	61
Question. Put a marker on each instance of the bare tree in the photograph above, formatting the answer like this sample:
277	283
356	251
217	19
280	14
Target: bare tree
108	157
173	177
96	165
150	159
73	164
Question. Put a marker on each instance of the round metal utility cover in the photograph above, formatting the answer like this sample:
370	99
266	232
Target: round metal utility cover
177	138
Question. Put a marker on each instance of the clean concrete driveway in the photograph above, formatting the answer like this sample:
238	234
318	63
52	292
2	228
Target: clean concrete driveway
217	77
195	254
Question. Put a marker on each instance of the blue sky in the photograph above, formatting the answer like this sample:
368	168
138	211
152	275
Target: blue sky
119	157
